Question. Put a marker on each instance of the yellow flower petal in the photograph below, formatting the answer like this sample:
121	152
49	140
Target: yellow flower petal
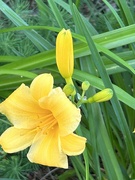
73	144
46	150
66	114
22	109
64	53
14	140
41	86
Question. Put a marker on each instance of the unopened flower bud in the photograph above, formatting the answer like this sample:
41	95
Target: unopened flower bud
101	96
85	85
68	89
64	53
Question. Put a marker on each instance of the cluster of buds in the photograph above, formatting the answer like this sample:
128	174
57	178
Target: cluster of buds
101	96
65	64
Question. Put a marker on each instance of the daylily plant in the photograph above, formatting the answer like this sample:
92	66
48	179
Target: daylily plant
44	119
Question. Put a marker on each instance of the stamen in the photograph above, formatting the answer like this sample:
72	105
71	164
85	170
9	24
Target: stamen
47	122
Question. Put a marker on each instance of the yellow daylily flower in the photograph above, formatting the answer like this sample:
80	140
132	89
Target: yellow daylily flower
64	54
44	119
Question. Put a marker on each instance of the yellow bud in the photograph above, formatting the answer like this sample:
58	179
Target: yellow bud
101	96
68	89
64	53
85	85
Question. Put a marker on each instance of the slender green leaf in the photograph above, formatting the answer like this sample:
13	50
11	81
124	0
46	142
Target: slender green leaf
21	73
125	11
57	14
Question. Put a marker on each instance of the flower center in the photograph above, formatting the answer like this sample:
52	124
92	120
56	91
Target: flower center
47	123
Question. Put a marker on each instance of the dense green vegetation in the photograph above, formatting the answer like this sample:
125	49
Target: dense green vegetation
104	49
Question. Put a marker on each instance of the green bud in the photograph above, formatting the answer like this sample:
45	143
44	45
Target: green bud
85	85
101	96
69	89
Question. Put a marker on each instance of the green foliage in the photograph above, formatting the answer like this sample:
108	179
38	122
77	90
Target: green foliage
104	51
